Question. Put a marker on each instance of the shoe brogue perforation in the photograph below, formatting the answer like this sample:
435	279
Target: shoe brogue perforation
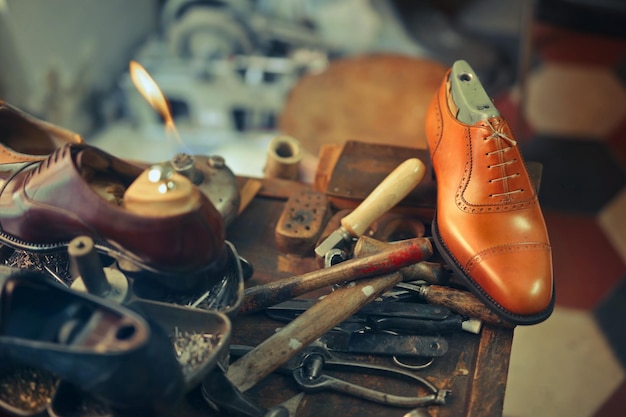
507	199
501	249
438	127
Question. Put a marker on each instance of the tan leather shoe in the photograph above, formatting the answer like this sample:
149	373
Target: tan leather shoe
488	224
24	138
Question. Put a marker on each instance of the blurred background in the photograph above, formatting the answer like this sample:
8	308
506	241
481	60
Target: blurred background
238	73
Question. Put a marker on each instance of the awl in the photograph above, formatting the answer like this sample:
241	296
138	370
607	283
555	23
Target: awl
397	185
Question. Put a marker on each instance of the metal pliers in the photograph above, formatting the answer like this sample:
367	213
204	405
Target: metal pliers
308	370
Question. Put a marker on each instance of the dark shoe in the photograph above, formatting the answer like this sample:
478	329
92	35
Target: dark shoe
81	190
488	224
25	138
107	350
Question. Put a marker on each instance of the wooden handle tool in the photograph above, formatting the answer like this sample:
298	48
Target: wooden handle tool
304	329
462	302
397	185
385	261
431	272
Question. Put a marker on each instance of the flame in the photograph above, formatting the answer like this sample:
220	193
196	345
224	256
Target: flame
150	90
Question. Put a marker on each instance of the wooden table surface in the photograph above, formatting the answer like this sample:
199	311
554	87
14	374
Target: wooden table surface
474	368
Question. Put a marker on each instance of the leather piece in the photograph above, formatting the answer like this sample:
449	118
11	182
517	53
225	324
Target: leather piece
488	216
25	138
43	205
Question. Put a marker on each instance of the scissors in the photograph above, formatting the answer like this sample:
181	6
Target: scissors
308	371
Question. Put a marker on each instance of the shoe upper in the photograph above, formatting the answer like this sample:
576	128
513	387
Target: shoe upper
488	215
43	205
26	138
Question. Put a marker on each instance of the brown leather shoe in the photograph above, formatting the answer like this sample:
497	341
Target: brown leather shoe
488	224
25	138
81	190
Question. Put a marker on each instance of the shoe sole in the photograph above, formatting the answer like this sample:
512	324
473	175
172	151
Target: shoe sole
476	289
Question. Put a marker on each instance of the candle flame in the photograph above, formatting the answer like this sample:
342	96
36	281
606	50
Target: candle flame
150	90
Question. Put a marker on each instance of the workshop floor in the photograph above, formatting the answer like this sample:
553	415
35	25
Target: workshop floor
574	123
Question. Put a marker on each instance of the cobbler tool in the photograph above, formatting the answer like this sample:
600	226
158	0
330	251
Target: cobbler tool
310	367
283	158
404	253
397	316
106	349
384	343
213	177
334	256
397	185
460	301
301	222
430	272
296	335
109	283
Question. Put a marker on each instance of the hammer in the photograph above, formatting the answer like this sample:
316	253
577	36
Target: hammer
336	307
431	272
387	260
397	185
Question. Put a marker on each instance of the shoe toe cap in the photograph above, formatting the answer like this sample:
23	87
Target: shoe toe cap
519	280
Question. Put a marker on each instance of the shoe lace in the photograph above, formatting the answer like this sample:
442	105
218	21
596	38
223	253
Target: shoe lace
498	134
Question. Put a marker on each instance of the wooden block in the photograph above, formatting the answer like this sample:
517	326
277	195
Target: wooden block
301	222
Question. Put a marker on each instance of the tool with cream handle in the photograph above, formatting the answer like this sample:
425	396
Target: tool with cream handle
397	185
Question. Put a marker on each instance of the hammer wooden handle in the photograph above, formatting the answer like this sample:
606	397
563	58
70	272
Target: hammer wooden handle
304	329
388	260
431	272
397	185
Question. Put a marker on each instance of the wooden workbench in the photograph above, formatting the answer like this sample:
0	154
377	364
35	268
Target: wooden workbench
474	369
